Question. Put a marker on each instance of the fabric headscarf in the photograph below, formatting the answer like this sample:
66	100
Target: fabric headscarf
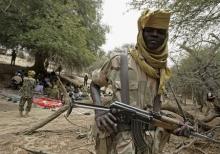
153	61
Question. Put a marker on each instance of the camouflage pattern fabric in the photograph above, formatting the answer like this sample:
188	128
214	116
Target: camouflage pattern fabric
26	92
22	103
28	86
142	91
122	143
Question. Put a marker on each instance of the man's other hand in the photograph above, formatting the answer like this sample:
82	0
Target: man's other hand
184	130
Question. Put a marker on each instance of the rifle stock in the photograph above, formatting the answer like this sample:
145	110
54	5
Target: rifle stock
164	125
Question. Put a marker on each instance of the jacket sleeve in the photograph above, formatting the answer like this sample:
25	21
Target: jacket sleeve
101	76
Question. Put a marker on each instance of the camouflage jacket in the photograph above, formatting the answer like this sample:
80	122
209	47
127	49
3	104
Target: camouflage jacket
28	86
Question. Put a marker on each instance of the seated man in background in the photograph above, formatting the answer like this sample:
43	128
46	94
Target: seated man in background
54	91
39	88
16	81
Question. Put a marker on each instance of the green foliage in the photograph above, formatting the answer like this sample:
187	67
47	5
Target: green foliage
191	19
199	70
97	64
70	29
118	50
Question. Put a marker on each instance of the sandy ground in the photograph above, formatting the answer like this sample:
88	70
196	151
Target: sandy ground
4	59
57	137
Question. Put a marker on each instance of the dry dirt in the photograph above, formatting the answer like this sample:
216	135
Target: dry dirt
62	137
57	137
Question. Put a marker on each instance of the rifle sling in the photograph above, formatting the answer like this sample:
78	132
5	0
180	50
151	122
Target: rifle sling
124	78
157	99
136	126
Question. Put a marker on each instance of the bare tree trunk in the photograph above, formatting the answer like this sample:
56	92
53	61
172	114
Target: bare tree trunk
185	98
40	58
192	95
75	82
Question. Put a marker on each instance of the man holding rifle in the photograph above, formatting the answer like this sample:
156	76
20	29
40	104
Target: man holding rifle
145	74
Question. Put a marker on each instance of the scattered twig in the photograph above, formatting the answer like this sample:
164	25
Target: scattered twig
184	147
200	150
32	151
87	150
74	123
7	7
177	102
75	148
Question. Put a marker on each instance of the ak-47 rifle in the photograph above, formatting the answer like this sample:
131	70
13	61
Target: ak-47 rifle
138	119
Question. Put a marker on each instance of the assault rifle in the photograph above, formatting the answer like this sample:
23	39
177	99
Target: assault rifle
139	120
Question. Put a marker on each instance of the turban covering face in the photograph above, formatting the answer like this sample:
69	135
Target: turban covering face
31	73
157	19
153	62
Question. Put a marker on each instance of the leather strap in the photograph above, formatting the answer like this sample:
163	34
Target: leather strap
157	99
157	103
124	78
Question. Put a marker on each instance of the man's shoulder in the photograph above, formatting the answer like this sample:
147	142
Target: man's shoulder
116	59
29	79
16	77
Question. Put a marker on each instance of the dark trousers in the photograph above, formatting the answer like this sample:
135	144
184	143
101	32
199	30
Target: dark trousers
13	62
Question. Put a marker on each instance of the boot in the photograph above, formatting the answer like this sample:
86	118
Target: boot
21	113
26	114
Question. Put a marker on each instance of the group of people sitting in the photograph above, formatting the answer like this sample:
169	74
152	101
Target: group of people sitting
46	84
74	91
17	80
30	84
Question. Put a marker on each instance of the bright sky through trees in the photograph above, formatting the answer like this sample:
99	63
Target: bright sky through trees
123	23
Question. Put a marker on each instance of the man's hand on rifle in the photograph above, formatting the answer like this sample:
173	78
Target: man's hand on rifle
184	130
106	121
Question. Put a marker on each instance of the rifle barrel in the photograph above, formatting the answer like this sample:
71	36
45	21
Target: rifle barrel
90	106
195	134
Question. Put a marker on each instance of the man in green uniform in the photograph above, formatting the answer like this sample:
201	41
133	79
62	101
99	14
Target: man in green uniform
26	92
147	73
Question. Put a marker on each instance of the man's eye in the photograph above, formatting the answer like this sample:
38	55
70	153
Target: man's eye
162	32
148	30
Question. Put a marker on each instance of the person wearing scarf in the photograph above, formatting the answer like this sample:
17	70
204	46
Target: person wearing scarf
153	49
147	73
